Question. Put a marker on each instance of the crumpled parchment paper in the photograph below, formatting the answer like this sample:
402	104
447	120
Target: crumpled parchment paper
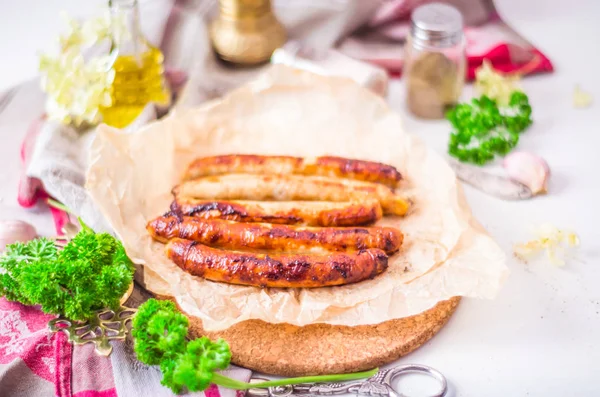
446	252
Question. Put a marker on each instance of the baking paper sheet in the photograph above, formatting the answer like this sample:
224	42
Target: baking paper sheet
446	252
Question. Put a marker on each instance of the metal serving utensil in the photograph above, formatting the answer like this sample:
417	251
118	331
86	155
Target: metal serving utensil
379	385
494	185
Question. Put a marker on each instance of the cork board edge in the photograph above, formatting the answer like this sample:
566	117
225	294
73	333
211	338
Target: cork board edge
288	350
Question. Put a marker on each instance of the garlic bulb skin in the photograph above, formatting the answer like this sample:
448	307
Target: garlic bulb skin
528	169
12	231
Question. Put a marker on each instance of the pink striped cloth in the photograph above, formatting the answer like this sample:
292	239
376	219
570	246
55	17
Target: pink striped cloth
36	362
487	37
30	189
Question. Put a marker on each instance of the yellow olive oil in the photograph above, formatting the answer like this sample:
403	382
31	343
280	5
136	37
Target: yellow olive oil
138	81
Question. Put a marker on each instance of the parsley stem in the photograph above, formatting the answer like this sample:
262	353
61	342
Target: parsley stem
224	381
229	383
57	205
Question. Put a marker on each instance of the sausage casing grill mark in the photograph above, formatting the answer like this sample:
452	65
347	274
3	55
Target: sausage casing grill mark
276	270
324	166
361	170
311	213
290	188
243	163
261	236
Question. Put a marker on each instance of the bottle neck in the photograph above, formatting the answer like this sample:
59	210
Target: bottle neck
244	8
127	34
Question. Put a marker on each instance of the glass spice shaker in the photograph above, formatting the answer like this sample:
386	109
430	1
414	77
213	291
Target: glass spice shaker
435	60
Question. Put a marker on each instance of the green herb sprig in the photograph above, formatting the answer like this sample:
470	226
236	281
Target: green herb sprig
92	272
160	338
482	129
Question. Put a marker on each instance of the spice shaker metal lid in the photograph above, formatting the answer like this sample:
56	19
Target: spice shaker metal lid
436	24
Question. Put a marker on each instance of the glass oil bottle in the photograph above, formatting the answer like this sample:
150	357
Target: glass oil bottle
138	66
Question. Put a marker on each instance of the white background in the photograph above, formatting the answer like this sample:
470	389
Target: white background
541	335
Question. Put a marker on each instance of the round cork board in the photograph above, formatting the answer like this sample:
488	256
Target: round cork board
288	350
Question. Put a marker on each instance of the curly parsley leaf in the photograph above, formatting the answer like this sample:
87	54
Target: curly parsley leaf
482	129
92	272
159	331
202	357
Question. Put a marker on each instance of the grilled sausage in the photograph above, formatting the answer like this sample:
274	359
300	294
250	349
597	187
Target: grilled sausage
261	236
290	187
324	166
278	270
311	213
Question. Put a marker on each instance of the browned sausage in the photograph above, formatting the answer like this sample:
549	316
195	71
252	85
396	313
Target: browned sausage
262	236
324	166
277	270
290	187
311	213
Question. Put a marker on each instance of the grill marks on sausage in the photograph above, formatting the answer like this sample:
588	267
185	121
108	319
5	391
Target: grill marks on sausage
218	222
260	236
291	188
285	165
241	211
276	270
360	170
312	213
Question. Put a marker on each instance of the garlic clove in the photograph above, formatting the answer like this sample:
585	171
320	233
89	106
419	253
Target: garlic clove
581	99
494	84
12	231
528	169
553	241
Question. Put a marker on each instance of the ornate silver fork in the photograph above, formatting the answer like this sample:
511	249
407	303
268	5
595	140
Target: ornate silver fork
379	385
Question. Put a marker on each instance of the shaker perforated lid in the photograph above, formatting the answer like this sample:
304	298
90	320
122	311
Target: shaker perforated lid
437	24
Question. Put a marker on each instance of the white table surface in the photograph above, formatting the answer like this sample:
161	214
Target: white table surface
541	335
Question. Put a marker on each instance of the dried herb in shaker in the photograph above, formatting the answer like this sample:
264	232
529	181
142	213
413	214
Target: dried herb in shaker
435	62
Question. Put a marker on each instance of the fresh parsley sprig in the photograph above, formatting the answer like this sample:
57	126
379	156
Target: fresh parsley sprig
92	272
160	338
482	129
